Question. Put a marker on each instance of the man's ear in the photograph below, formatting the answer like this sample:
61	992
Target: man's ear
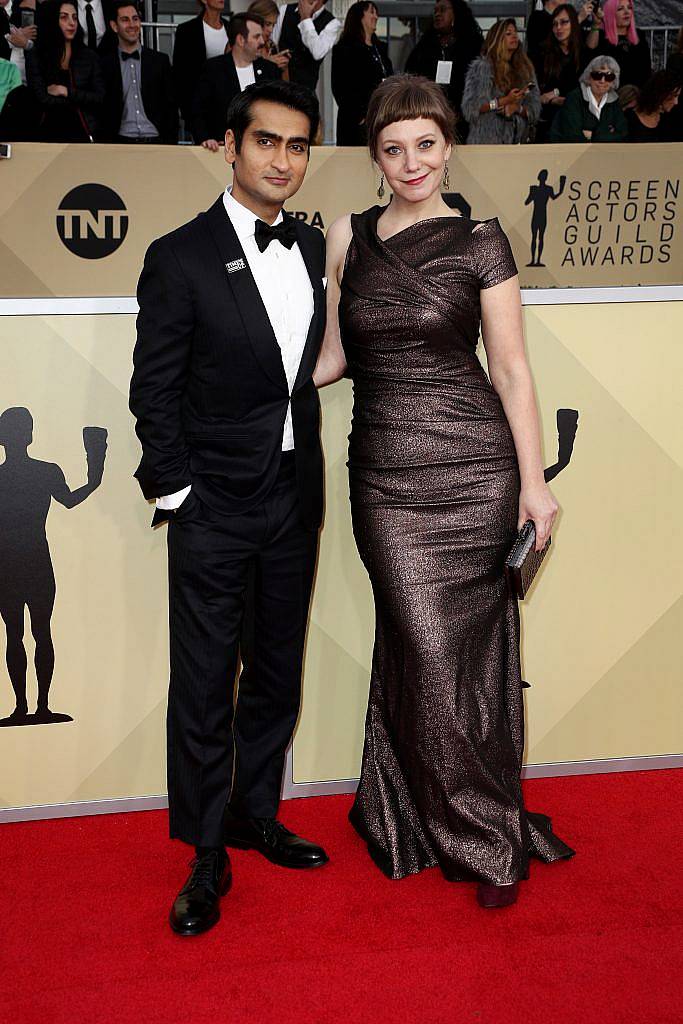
113	26
230	146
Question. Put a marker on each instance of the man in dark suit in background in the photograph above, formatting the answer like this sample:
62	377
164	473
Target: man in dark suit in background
197	41
232	314
225	77
139	104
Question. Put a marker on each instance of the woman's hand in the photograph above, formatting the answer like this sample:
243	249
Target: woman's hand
550	97
514	96
57	90
538	503
585	11
281	60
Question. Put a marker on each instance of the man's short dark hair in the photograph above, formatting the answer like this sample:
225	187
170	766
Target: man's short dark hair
118	5
237	26
287	94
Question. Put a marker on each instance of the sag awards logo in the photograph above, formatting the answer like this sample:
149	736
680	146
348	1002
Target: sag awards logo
92	221
607	223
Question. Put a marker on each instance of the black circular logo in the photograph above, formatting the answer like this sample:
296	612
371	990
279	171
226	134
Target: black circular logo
92	221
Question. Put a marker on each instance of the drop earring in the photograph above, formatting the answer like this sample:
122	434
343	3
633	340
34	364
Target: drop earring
446	178
380	190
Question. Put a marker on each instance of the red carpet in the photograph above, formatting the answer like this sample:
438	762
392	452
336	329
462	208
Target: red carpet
594	939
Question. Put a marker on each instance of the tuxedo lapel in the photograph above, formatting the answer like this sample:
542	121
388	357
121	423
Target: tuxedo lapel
240	280
146	86
232	82
309	251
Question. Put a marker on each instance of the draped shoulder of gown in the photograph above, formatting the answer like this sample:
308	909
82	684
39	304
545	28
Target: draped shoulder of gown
434	485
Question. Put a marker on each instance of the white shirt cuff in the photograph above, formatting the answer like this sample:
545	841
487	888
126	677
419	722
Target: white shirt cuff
171	502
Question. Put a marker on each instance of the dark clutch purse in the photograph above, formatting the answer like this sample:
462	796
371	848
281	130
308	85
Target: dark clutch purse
522	564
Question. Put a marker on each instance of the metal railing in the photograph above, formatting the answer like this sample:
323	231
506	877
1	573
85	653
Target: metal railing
661	39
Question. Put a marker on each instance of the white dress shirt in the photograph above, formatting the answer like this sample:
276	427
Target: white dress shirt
287	293
17	54
595	106
98	15
318	44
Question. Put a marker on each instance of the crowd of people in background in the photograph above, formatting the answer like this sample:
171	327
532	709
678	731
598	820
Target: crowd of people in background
77	71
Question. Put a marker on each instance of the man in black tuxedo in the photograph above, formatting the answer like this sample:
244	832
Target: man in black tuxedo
225	77
139	103
232	313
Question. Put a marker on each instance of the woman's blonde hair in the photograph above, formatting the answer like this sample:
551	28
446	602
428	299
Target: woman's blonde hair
265	8
507	74
405	98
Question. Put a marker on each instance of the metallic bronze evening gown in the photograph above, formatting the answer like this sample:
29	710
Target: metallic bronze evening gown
434	495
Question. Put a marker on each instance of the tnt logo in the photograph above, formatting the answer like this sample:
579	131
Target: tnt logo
92	221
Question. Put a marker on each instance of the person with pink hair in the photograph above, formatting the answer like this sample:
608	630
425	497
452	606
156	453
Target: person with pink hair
619	39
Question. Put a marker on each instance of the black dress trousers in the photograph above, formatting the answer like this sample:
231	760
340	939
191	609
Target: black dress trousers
239	586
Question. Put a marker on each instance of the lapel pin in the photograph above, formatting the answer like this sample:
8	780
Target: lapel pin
234	265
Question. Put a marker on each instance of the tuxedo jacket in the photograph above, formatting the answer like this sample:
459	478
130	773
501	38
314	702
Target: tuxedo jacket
157	94
189	58
209	390
217	85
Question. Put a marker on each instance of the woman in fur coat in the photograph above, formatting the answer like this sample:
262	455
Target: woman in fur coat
501	100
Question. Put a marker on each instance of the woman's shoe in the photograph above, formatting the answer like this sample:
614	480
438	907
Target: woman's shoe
489	895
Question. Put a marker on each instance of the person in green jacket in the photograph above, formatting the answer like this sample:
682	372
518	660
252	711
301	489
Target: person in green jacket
10	79
591	112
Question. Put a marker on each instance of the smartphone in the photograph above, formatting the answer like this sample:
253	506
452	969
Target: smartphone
5	150
28	18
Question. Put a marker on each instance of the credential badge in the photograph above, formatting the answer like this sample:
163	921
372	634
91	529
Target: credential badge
234	265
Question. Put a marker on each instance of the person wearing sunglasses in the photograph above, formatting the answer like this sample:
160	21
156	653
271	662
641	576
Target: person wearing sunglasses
591	113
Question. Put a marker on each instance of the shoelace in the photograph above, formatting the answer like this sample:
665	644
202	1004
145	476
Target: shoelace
204	871
271	828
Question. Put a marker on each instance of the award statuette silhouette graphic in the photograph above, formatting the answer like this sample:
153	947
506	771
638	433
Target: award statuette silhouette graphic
567	423
27	487
540	195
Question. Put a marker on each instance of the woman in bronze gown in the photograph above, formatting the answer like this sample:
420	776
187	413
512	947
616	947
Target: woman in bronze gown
444	466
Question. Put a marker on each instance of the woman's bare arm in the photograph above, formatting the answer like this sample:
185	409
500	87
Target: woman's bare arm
331	364
503	334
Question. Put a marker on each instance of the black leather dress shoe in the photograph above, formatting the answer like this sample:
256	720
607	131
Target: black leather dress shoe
274	841
196	907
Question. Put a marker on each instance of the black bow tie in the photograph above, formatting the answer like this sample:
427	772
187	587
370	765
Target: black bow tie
284	232
135	55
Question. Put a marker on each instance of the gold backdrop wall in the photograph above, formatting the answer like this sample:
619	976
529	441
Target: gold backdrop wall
601	632
611	211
